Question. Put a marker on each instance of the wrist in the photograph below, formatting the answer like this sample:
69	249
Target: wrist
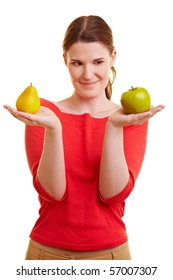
54	128
113	131
111	124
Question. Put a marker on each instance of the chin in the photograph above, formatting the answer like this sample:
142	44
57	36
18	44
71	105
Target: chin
89	94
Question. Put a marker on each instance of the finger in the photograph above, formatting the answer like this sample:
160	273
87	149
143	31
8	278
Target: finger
11	110
21	116
142	117
157	109
27	118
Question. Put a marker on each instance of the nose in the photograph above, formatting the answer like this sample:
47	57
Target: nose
87	72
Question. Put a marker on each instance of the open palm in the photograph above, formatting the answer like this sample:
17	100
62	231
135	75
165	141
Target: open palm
45	117
120	119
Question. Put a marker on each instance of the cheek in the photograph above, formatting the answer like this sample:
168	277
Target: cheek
105	75
74	74
104	71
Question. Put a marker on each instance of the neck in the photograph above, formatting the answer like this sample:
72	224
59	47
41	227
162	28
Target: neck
93	106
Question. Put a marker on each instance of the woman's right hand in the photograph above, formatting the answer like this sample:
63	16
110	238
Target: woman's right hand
44	117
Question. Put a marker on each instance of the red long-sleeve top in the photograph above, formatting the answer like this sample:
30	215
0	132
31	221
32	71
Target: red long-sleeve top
83	220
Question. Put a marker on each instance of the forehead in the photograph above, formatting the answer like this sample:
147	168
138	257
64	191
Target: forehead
93	50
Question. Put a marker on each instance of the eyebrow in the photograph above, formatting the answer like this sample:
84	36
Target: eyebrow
100	58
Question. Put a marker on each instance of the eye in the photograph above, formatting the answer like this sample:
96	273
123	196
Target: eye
76	63
97	62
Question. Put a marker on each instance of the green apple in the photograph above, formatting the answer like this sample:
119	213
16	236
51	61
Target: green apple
135	100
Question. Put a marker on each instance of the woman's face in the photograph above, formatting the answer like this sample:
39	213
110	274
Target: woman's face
89	67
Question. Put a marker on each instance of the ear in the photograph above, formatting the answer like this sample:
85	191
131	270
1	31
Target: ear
113	57
65	59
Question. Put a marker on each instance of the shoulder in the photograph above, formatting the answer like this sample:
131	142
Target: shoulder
50	104
45	102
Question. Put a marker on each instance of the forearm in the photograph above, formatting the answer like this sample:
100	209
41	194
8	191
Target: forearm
114	173
51	169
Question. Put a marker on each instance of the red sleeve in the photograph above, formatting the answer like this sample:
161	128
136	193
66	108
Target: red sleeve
135	139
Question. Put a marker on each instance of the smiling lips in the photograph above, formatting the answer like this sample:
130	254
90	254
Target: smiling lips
88	83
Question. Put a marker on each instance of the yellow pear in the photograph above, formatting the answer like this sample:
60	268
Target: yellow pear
28	101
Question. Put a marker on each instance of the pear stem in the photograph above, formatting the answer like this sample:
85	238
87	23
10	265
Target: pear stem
31	84
132	87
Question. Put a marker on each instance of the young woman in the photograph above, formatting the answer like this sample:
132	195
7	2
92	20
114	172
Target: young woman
85	154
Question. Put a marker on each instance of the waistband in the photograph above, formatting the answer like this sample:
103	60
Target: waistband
79	254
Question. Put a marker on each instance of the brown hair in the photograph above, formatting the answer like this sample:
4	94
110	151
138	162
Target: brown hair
91	29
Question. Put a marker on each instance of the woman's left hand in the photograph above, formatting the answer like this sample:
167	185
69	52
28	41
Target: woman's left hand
119	118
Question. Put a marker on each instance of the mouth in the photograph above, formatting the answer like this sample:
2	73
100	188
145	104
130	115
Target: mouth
89	83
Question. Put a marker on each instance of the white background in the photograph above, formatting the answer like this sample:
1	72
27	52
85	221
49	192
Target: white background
30	51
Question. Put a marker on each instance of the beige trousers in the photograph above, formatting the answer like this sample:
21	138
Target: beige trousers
37	251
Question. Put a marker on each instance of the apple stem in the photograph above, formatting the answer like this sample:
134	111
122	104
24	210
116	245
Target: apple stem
31	84
132	87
